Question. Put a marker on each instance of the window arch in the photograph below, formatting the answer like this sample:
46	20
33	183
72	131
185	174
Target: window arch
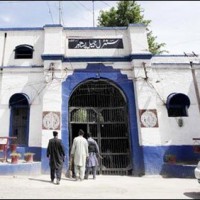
24	51
177	105
19	120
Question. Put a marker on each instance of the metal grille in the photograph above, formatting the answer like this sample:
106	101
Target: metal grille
19	125
100	107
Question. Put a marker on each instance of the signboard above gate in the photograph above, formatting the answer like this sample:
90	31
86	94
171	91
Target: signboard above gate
106	43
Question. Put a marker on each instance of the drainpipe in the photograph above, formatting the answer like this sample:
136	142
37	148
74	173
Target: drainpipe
3	54
2	60
195	84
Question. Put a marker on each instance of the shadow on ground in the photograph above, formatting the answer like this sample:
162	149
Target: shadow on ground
41	180
193	195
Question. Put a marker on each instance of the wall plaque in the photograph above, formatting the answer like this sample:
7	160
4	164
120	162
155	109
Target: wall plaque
51	120
148	118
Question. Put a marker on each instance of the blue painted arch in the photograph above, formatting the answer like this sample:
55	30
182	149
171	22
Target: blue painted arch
100	71
17	101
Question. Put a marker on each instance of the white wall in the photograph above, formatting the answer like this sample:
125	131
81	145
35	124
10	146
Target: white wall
28	82
152	93
15	38
165	75
53	40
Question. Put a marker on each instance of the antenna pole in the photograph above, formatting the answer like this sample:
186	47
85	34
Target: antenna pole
93	13
59	12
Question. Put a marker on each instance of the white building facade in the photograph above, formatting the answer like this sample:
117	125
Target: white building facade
138	107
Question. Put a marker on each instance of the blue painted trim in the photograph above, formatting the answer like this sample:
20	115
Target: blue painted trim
96	59
95	28
70	28
141	56
52	25
124	84
21	169
22	29
178	170
52	57
154	159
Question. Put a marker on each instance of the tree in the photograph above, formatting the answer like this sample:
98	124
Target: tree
129	12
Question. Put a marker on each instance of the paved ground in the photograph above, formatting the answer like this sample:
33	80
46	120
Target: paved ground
104	187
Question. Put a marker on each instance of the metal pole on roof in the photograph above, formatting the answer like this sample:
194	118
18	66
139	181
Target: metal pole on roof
93	13
59	12
195	84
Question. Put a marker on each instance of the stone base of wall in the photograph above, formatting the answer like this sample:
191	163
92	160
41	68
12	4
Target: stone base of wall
22	168
177	170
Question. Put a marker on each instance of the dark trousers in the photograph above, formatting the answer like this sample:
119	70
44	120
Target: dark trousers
87	172
56	173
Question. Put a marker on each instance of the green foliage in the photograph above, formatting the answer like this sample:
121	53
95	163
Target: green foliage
80	115
154	47
15	154
129	12
29	154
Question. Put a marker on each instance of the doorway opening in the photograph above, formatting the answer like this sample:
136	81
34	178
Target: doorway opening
99	107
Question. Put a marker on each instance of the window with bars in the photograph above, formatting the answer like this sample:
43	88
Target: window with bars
177	105
24	51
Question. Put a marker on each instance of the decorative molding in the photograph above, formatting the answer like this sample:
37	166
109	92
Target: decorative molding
51	120
148	118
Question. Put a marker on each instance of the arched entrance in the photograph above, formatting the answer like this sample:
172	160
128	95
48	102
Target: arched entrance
100	107
19	120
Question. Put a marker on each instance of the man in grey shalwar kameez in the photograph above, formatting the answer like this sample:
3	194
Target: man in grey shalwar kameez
92	161
79	153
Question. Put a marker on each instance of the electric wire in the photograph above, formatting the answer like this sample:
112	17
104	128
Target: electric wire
62	11
50	11
90	11
106	4
85	7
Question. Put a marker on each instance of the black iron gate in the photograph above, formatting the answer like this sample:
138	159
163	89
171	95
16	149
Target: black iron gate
100	108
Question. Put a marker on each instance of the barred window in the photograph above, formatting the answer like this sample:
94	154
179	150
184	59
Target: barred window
24	51
177	105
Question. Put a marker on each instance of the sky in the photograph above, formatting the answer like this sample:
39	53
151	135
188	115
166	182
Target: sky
175	23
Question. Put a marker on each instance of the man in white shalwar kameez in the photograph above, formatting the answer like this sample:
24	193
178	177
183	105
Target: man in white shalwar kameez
79	153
